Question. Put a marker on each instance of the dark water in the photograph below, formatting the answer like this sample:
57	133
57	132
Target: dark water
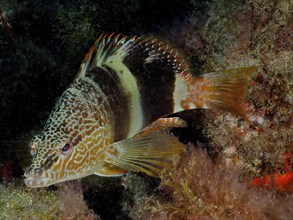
42	45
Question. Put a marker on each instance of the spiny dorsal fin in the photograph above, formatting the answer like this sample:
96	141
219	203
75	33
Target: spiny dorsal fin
109	48
104	48
139	65
147	64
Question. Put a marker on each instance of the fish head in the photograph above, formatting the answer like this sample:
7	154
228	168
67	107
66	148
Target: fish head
52	163
66	149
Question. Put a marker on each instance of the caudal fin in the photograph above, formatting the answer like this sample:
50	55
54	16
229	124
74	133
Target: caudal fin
224	90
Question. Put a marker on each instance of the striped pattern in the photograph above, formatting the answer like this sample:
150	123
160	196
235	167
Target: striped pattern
123	85
147	77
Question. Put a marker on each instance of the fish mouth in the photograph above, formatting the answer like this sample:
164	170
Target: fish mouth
36	181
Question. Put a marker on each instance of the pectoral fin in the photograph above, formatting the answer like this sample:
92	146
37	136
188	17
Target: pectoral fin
147	153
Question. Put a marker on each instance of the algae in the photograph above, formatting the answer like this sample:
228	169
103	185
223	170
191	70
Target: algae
42	45
20	202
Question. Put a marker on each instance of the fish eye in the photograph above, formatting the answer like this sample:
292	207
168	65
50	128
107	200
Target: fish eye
66	147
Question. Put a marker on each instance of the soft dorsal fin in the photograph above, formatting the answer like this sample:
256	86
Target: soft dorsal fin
155	79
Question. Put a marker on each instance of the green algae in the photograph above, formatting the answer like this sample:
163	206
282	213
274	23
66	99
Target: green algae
19	202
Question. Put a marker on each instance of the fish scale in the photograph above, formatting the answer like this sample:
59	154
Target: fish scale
108	121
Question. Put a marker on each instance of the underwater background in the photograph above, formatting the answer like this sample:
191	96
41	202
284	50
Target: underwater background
42	44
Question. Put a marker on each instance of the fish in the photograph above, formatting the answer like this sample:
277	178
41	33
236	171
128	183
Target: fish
108	121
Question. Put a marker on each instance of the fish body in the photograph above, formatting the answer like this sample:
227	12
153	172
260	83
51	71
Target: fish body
104	122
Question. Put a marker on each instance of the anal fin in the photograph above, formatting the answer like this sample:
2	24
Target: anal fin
146	153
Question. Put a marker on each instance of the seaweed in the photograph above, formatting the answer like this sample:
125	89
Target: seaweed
242	33
196	187
19	202
42	45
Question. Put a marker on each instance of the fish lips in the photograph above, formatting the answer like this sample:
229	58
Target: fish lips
36	181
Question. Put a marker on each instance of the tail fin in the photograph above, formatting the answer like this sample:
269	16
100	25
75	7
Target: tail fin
223	90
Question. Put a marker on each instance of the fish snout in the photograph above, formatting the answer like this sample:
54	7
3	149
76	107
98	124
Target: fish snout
36	178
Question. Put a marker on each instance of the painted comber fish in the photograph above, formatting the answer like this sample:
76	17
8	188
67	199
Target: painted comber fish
104	122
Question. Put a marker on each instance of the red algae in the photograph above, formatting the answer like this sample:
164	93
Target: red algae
282	182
